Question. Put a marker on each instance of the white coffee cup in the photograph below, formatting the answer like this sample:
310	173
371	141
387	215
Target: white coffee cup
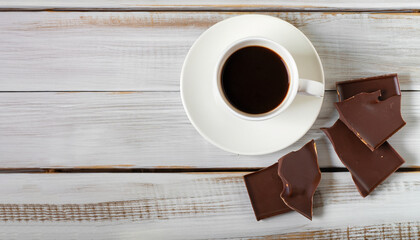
296	85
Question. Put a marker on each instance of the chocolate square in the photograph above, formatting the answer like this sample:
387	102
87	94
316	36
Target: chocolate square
264	189
388	84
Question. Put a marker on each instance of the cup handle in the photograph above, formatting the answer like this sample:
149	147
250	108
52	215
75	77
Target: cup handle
311	87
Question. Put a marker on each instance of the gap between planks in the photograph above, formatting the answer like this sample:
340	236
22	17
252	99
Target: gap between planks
111	169
100	91
209	5
131	91
211	9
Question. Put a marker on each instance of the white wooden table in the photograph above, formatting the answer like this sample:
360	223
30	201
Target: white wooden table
90	96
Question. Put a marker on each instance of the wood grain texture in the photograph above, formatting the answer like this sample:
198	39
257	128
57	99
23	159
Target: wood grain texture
144	51
274	5
145	130
196	206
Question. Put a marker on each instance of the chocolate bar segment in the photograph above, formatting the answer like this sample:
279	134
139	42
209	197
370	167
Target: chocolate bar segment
300	174
388	84
368	168
264	189
371	120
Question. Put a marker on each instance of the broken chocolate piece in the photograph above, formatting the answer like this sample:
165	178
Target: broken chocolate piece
287	185
389	87
264	189
372	121
300	174
388	84
368	168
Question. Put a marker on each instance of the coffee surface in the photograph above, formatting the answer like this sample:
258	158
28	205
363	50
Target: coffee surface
255	80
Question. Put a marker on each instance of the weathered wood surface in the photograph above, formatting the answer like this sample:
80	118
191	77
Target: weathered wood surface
145	130
273	5
196	206
144	51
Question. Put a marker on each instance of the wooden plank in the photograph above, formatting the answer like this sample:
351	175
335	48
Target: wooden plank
145	130
112	51
196	206
274	5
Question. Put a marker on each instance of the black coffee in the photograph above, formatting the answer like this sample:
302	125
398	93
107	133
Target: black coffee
255	80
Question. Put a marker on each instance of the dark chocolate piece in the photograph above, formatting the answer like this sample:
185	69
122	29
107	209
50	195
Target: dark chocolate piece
388	84
264	189
300	174
368	168
373	121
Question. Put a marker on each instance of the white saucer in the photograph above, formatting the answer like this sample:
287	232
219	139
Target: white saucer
217	124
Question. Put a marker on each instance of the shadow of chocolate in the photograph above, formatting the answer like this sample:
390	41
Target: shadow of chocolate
327	157
327	117
332	191
318	204
406	140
